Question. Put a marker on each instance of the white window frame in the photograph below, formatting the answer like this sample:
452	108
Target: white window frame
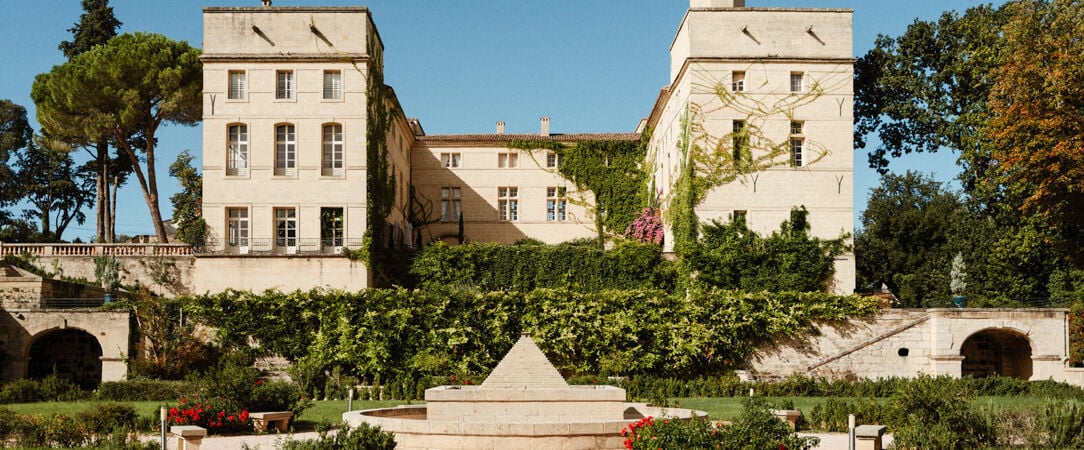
507	160
237	229
796	144
333	85
332	145
508	203
739	141
237	149
737	81
451	160
556	204
285	85
286	229
337	228
553	160
797	82
451	203
237	85
285	150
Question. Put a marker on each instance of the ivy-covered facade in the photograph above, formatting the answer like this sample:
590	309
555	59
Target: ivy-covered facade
308	154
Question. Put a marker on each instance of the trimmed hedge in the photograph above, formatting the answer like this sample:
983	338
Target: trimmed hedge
523	268
143	390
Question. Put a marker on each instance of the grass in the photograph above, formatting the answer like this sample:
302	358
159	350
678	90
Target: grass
320	412
329	412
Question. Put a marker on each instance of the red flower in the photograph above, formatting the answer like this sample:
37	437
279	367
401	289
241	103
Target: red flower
231	418
244	416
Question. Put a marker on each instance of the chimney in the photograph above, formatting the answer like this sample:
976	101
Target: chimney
545	127
500	127
267	2
716	3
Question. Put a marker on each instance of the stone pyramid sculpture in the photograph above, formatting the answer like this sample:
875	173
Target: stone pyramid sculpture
525	367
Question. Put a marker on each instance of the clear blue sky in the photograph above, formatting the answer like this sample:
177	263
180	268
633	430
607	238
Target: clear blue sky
592	66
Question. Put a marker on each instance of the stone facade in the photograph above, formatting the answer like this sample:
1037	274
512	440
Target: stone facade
269	187
1022	343
782	76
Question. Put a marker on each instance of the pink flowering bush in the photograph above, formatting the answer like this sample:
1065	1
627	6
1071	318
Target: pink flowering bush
646	227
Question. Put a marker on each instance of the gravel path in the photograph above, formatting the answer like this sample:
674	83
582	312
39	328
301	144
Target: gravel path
833	441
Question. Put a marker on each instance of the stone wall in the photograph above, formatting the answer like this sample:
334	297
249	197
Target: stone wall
906	343
165	275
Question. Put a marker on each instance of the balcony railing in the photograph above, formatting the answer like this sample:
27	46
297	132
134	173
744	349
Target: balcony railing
262	247
258	247
95	249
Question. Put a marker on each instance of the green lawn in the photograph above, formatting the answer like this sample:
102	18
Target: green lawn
324	411
330	411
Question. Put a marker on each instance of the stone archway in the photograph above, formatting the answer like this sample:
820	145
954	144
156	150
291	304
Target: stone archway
70	353
997	352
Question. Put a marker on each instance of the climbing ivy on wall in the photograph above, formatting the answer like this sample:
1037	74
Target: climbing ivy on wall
612	170
708	161
380	184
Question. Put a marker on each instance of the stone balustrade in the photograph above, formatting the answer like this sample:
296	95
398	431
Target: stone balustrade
59	250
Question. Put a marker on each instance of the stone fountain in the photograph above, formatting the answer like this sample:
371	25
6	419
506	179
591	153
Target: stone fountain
524	404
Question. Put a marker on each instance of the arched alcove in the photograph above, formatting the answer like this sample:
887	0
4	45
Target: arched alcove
997	352
70	353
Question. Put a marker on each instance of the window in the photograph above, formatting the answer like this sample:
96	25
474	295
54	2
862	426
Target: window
739	215
333	85
796	151
508	203
508	160
237	226
553	160
238	88
284	84
796	142
796	82
450	160
285	150
286	228
333	150
739	139
556	204
237	152
737	82
331	227
450	206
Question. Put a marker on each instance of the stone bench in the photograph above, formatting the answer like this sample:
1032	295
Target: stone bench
790	416
869	437
261	421
189	437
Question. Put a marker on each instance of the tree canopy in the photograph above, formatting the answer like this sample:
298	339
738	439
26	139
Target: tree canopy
96	26
122	92
15	134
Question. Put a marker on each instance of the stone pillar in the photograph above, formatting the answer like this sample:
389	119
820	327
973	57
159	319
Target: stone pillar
189	437
868	437
951	365
113	368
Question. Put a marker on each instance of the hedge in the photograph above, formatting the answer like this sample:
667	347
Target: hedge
523	268
384	333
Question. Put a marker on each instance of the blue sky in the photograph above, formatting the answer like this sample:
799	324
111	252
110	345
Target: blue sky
459	67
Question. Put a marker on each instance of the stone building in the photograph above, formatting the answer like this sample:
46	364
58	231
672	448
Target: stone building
765	94
302	137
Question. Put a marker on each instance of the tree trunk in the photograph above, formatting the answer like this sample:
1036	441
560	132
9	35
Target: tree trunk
102	187
112	216
146	182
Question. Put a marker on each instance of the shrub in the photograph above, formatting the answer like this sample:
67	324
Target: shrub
143	390
48	389
105	418
212	413
935	413
668	433
832	415
1063	425
364	436
757	428
276	396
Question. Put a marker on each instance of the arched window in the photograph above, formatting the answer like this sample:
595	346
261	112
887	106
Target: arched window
333	150
285	150
237	150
